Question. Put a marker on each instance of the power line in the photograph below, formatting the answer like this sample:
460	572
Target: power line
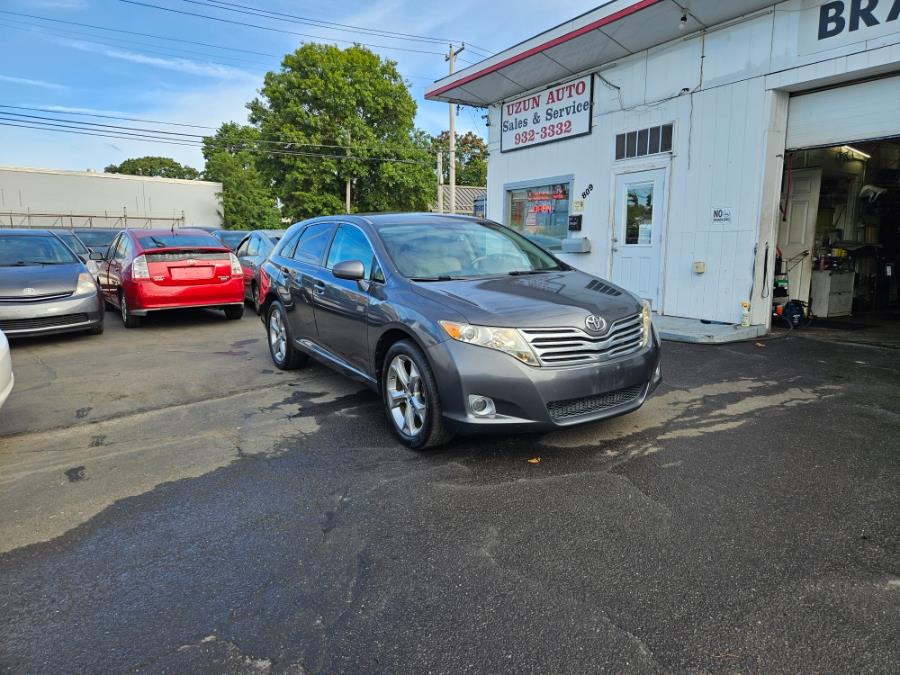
273	29
184	136
131	32
138	137
110	117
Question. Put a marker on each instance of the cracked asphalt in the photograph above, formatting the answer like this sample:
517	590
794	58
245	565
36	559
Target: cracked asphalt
170	503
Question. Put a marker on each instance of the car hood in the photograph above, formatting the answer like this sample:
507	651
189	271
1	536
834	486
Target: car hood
44	279
532	301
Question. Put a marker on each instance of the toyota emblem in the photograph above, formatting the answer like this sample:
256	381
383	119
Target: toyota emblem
29	291
595	323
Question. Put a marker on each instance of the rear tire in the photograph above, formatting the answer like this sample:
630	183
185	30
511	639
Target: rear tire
284	354
254	298
234	312
410	396
128	319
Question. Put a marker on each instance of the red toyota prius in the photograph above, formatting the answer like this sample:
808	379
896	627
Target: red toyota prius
150	270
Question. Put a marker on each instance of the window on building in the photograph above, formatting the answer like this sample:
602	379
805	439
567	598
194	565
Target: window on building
541	213
643	142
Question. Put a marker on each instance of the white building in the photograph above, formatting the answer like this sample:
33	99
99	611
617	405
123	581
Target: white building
52	198
679	144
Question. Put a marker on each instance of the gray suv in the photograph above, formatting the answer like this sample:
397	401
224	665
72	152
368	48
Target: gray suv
461	324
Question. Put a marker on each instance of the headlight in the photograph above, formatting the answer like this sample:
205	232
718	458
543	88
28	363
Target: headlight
86	284
507	340
647	320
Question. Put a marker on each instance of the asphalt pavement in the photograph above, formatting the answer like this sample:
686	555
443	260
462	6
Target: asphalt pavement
170	502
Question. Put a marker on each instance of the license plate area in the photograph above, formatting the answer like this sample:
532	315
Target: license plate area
203	273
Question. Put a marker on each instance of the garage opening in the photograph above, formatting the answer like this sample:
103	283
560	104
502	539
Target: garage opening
839	235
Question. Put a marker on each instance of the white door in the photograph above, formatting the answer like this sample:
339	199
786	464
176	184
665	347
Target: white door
637	242
797	230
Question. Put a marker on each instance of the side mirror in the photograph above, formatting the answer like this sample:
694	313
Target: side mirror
97	255
353	270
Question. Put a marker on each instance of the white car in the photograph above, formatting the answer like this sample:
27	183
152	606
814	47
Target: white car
6	373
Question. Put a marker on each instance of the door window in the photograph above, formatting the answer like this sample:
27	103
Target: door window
639	214
242	248
350	244
286	249
313	242
118	248
253	248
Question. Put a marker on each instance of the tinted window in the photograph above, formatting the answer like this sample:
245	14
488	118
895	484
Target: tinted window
180	241
232	238
18	250
96	237
253	247
73	243
287	247
462	250
313	242
116	248
350	244
244	245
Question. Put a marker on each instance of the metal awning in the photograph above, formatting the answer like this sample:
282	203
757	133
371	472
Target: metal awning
603	35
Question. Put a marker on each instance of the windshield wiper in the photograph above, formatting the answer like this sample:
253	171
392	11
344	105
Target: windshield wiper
25	263
517	273
440	277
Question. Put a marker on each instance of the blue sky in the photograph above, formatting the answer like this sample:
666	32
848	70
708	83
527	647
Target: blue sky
66	67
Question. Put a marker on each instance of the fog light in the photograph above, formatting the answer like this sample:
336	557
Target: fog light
482	406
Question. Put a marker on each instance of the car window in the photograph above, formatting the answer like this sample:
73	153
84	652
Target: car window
96	238
180	241
242	249
350	244
253	246
17	250
113	250
288	245
313	242
74	243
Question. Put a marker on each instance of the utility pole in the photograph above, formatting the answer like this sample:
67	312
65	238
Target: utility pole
347	193
440	172
451	59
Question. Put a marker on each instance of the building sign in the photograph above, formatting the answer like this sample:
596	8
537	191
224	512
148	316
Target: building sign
561	112
837	23
721	216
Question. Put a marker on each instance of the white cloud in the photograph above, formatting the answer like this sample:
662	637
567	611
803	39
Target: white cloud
32	83
186	66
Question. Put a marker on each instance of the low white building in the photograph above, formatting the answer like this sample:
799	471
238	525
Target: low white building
52	198
675	146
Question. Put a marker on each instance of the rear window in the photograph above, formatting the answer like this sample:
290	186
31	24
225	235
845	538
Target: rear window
180	241
18	250
73	242
233	238
96	237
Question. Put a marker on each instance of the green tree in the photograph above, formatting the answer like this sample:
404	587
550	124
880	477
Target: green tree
164	167
348	116
247	200
471	158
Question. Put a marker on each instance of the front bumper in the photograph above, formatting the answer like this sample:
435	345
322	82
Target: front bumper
66	315
146	296
523	394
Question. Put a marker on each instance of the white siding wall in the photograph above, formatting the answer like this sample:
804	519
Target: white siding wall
81	193
728	146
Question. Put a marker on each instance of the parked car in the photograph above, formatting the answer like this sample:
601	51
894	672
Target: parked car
97	239
7	379
44	286
71	240
254	248
151	270
231	238
462	324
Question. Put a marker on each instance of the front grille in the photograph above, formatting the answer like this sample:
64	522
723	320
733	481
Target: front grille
571	346
576	407
34	298
10	325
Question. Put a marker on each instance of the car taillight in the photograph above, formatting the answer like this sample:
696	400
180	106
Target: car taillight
139	268
236	270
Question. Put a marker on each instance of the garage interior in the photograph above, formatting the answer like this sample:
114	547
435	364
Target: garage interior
839	236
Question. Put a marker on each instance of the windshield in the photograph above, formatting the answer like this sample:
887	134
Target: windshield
96	237
232	238
180	241
73	242
22	250
460	250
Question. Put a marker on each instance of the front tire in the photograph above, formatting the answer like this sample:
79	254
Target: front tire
128	319
254	298
411	399
281	344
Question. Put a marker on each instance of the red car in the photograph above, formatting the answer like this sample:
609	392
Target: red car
149	270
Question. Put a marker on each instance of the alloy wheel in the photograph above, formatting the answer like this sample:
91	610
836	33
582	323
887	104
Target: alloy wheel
406	398
277	336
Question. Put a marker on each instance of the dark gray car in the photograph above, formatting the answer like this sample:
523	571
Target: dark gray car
44	287
462	324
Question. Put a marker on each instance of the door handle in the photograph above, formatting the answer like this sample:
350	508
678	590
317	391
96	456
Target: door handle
319	287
